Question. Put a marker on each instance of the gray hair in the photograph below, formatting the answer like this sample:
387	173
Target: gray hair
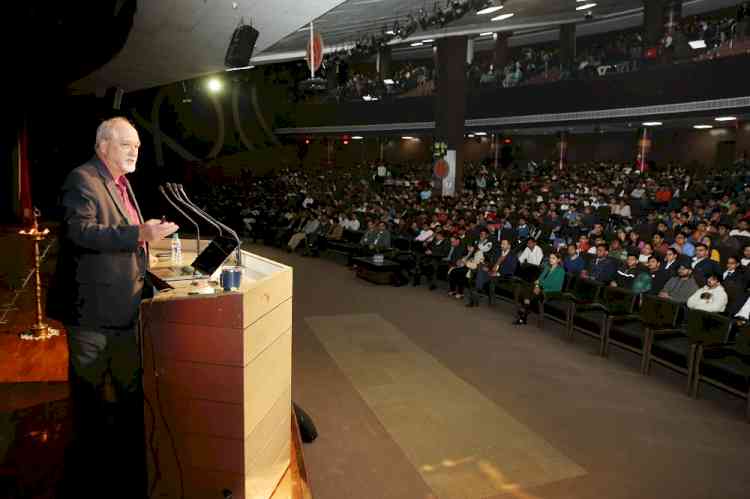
106	131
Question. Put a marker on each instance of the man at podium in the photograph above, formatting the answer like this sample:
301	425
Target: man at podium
96	294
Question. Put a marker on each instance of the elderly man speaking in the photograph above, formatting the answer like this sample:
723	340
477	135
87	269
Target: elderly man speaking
96	294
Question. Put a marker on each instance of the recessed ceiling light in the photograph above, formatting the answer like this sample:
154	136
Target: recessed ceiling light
388	81
489	10
417	44
429	40
586	6
481	134
390	32
726	118
697	44
652	123
502	17
702	127
407	137
357	137
489	33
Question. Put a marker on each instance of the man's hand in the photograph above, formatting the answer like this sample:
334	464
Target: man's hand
663	294
154	230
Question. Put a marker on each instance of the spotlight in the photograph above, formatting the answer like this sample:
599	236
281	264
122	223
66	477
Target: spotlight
214	85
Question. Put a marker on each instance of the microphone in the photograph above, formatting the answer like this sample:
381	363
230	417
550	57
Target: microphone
225	227
197	229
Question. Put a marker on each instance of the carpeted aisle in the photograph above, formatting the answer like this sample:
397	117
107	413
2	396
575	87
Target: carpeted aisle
507	412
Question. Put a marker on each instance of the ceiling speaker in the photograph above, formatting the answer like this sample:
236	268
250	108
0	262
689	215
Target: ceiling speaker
241	47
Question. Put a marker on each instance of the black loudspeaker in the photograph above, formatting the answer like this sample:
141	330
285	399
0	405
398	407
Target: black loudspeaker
241	47
307	430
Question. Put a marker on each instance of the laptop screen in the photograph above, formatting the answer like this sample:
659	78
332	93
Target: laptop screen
215	254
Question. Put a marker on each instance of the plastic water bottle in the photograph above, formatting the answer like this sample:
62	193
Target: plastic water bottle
176	249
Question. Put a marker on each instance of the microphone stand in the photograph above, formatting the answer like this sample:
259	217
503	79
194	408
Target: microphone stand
197	229
225	227
182	198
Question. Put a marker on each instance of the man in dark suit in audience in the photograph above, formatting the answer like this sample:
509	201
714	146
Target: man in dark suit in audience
603	268
659	276
734	280
703	265
428	263
671	262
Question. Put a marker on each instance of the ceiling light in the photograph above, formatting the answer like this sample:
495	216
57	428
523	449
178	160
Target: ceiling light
586	6
417	44
238	69
357	137
390	32
407	137
697	44
726	118
652	123
214	85
429	40
388	81
502	17
702	127
471	135
489	33
481	134
489	10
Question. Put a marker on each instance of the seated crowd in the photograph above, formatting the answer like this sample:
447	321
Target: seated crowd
661	233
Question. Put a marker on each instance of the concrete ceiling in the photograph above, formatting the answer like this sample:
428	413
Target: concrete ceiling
531	23
174	40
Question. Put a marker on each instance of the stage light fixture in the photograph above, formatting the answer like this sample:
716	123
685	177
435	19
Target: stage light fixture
503	17
489	10
481	134
214	85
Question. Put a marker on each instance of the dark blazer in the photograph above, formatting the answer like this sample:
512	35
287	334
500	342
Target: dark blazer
509	265
458	253
101	266
603	270
440	249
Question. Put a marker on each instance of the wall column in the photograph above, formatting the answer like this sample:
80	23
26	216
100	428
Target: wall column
450	102
567	46
502	50
383	62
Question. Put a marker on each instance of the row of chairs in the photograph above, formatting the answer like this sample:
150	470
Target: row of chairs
705	347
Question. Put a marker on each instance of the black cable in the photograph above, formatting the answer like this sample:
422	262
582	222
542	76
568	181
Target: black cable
161	412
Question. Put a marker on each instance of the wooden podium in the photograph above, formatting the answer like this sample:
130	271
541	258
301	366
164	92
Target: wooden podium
217	381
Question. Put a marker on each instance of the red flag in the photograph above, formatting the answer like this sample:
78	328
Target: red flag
24	177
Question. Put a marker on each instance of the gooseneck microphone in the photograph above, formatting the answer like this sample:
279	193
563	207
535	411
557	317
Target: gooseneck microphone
220	224
197	229
179	194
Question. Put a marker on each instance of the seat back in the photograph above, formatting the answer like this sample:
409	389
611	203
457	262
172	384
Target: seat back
528	272
659	313
707	327
742	341
586	289
619	301
402	244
